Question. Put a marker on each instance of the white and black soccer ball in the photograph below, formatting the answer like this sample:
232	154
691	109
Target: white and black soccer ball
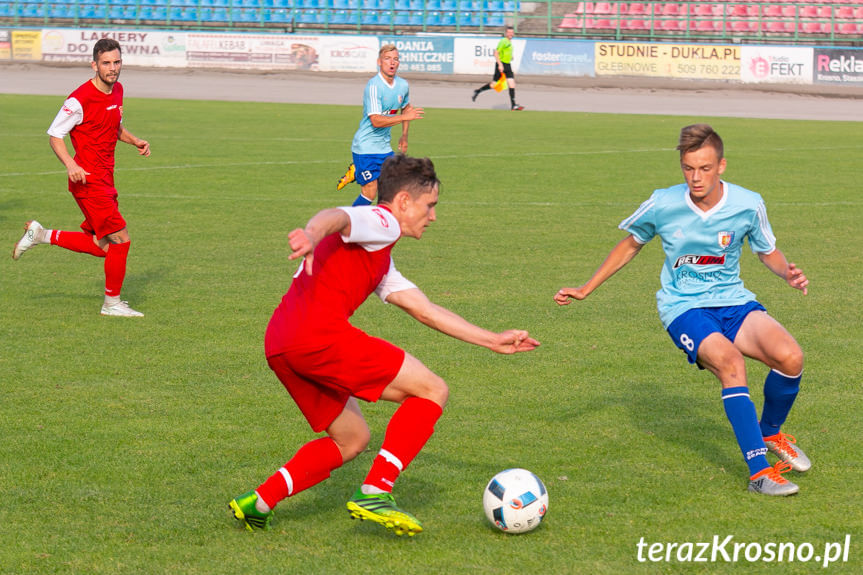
515	501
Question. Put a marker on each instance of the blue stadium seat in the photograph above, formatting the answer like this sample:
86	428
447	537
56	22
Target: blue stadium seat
6	10
415	18
417	4
280	15
310	16
433	18
385	17
448	5
402	5
402	18
470	19
369	18
494	19
433	5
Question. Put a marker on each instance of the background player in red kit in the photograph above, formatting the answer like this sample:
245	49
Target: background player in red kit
92	117
327	364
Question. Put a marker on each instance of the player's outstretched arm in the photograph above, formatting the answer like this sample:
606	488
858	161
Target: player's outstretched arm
415	303
322	224
794	276
619	256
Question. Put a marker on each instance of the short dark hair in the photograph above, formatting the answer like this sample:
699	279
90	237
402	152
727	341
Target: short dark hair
399	173
105	45
697	136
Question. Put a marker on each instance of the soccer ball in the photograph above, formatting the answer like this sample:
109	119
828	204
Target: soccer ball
515	501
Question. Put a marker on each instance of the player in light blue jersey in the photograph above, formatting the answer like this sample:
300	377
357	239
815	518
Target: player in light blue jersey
705	308
386	103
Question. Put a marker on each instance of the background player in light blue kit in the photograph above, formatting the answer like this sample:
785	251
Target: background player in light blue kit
704	306
386	103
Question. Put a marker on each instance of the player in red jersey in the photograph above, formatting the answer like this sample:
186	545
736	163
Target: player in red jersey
92	116
326	364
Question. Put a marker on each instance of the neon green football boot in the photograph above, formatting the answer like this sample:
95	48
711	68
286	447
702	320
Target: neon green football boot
381	508
244	511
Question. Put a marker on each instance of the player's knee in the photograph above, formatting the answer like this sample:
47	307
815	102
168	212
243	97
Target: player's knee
438	391
352	446
791	361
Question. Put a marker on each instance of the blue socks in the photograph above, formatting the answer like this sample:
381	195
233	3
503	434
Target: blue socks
744	421
780	391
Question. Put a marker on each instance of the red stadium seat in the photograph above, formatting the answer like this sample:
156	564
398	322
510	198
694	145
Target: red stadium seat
637	8
572	21
849	28
845	12
779	27
604	8
635	24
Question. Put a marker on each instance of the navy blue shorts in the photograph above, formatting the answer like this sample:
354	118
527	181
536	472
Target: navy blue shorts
369	166
690	328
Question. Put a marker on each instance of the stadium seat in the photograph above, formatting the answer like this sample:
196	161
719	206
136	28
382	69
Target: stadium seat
402	5
494	19
808	11
810	27
369	18
672	25
572	21
469	19
448	5
778	27
417	5
847	28
705	26
603	8
433	18
494	6
637	8
845	12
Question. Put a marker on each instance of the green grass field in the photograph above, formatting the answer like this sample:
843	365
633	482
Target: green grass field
123	440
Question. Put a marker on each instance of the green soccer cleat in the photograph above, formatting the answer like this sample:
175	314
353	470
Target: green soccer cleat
381	508
244	510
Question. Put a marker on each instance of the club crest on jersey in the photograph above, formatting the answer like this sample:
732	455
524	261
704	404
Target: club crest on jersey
694	260
725	239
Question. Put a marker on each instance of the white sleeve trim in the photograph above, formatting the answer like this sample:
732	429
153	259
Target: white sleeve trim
372	227
394	281
69	116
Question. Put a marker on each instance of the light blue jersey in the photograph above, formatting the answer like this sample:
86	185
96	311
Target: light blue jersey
379	98
702	249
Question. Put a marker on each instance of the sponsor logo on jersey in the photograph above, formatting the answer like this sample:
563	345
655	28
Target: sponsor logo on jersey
67	110
725	239
699	260
111	107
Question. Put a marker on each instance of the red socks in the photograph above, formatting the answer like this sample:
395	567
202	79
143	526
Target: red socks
77	242
408	431
115	268
309	466
115	257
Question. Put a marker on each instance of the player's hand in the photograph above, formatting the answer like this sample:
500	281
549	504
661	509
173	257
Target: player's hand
302	247
797	279
514	341
403	145
77	174
413	114
143	147
565	295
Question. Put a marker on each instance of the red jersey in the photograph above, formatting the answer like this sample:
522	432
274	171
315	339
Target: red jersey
346	271
92	120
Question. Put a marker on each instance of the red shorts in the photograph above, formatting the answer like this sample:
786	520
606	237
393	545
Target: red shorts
354	364
100	208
